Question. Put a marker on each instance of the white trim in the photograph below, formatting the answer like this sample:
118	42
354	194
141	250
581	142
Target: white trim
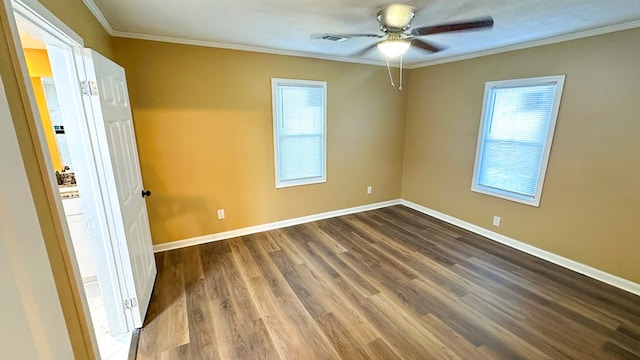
95	10
573	265
257	49
36	13
270	226
533	43
90	279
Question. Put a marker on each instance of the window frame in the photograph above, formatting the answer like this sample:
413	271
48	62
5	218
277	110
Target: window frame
485	121
275	83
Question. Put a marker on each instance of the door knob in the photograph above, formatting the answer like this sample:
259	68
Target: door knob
146	193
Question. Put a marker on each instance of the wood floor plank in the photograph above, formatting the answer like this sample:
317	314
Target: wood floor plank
284	330
306	335
262	260
191	264
347	272
203	340
242	333
335	303
384	322
243	257
301	282
390	283
327	240
379	349
170	324
431	346
340	337
456	342
297	235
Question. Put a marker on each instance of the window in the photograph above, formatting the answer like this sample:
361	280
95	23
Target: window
514	141
299	130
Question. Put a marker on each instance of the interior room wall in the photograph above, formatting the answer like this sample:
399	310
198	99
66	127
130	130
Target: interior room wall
75	14
590	208
203	123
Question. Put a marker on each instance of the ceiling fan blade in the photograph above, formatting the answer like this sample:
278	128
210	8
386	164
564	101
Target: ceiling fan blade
360	35
482	23
420	44
365	50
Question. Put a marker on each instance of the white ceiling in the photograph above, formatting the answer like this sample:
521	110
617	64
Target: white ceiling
289	26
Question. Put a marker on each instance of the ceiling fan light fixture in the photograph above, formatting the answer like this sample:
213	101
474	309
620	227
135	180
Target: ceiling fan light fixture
394	48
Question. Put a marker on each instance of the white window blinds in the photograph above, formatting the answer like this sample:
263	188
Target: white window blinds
299	131
515	137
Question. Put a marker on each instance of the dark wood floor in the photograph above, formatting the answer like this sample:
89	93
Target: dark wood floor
385	284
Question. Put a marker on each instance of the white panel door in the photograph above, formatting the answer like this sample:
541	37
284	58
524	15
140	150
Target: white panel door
114	125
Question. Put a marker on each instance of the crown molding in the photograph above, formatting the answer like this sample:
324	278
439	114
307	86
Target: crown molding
526	45
99	16
130	35
534	43
249	48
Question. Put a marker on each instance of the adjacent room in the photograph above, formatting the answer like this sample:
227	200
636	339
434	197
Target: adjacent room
327	180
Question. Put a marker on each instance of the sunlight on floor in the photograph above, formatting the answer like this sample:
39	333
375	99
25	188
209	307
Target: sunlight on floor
111	347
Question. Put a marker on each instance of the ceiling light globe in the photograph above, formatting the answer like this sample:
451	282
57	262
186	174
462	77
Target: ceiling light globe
393	48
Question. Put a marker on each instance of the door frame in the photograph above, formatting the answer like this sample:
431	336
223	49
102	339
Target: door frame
56	31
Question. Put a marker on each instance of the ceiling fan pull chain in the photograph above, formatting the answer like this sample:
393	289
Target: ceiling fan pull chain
389	70
400	87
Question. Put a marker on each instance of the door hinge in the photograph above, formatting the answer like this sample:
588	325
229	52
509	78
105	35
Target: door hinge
130	304
89	88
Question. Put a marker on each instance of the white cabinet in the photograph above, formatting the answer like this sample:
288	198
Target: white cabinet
80	238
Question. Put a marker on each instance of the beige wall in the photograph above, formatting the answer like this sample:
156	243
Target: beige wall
77	16
590	208
204	128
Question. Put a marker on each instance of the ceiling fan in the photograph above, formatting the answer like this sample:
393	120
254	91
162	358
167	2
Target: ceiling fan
397	37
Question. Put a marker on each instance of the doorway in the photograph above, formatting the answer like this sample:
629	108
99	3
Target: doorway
62	137
110	345
83	121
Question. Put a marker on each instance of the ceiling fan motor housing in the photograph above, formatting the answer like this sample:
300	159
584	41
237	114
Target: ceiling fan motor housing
395	18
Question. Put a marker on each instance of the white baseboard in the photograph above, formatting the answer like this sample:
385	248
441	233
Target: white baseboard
270	226
578	267
587	270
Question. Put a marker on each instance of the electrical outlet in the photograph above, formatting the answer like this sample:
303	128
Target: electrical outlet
369	190
220	214
496	221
